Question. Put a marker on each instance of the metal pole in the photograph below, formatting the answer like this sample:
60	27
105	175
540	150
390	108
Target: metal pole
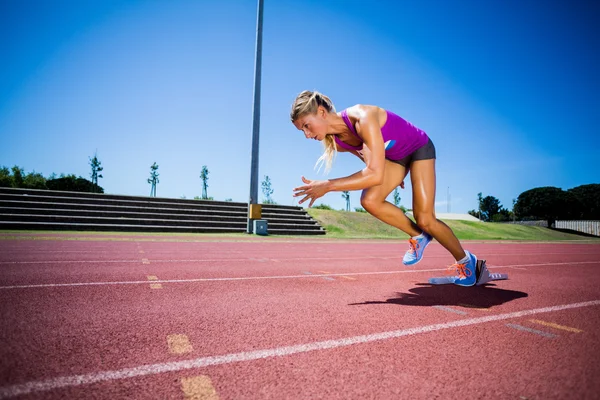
256	118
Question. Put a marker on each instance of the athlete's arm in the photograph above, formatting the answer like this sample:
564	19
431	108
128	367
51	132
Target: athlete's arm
369	128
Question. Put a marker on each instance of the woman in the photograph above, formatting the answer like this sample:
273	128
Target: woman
390	147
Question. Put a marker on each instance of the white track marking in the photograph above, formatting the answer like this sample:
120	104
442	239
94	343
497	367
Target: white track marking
279	259
241	278
392	253
252	278
153	369
70	262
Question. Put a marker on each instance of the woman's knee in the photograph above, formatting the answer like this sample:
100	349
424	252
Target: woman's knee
425	220
369	202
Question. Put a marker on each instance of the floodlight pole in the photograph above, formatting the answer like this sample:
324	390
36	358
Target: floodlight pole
253	208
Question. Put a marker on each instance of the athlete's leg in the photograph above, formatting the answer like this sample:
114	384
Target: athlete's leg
422	176
373	200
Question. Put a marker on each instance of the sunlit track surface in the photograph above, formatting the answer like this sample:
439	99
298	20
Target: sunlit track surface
272	318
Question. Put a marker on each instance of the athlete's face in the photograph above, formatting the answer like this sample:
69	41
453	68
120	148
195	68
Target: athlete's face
314	126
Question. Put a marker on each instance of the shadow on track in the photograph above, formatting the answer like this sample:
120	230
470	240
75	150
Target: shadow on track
427	295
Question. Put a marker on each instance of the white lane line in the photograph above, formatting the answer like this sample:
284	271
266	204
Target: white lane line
252	278
245	260
70	262
152	369
538	264
241	278
232	260
392	253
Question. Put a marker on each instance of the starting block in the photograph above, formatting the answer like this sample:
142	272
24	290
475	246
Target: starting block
482	274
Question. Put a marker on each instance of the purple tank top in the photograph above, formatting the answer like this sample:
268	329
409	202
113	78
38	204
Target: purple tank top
400	137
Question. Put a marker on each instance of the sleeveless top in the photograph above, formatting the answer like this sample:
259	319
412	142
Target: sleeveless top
400	137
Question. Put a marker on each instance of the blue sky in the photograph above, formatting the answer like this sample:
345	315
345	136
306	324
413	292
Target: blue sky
507	90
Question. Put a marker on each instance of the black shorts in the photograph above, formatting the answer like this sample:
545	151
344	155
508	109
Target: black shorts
425	152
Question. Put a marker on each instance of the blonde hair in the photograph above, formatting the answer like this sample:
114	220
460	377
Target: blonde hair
308	102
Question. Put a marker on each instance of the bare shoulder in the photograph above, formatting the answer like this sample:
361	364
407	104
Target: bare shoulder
362	112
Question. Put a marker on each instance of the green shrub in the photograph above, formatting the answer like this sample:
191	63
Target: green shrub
6	179
323	207
73	184
34	181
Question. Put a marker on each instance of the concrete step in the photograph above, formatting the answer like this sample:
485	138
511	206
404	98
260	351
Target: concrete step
12	213
8	200
7	205
45	209
195	205
20	225
100	197
138	221
108	197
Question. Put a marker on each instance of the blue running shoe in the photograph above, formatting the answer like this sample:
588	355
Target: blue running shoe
466	272
417	247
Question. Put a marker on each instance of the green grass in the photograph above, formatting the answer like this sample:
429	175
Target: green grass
343	224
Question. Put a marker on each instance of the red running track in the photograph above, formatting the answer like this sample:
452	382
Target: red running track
143	317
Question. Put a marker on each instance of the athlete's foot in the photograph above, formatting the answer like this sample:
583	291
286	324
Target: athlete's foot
417	247
466	270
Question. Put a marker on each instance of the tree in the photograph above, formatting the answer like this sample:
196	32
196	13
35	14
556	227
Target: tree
546	203
474	213
6	179
478	213
16	177
96	168
588	198
267	190
153	178
72	183
17	173
502	215
35	180
204	177
489	207
512	213
346	196
397	197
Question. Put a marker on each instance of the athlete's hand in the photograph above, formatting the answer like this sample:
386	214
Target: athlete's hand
312	190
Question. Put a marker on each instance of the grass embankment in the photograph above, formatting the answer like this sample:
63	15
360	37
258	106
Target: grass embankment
344	224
